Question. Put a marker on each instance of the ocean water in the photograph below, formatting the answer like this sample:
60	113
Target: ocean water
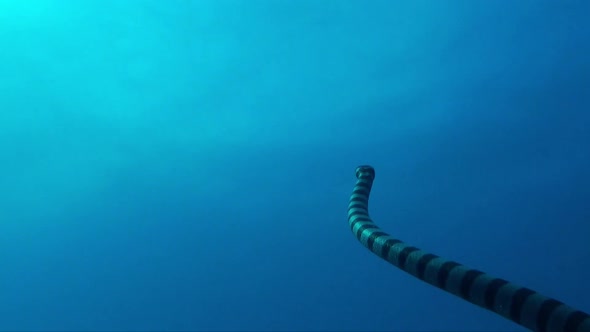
186	165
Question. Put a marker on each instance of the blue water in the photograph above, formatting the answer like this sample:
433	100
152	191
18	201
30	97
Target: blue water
186	165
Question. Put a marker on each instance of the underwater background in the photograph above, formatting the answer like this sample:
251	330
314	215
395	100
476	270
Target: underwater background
186	165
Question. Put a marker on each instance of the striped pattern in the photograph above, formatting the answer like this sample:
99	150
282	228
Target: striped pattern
519	304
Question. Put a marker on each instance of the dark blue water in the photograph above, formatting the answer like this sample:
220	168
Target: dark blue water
178	165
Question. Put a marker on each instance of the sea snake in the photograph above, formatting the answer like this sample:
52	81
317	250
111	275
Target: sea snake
519	304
